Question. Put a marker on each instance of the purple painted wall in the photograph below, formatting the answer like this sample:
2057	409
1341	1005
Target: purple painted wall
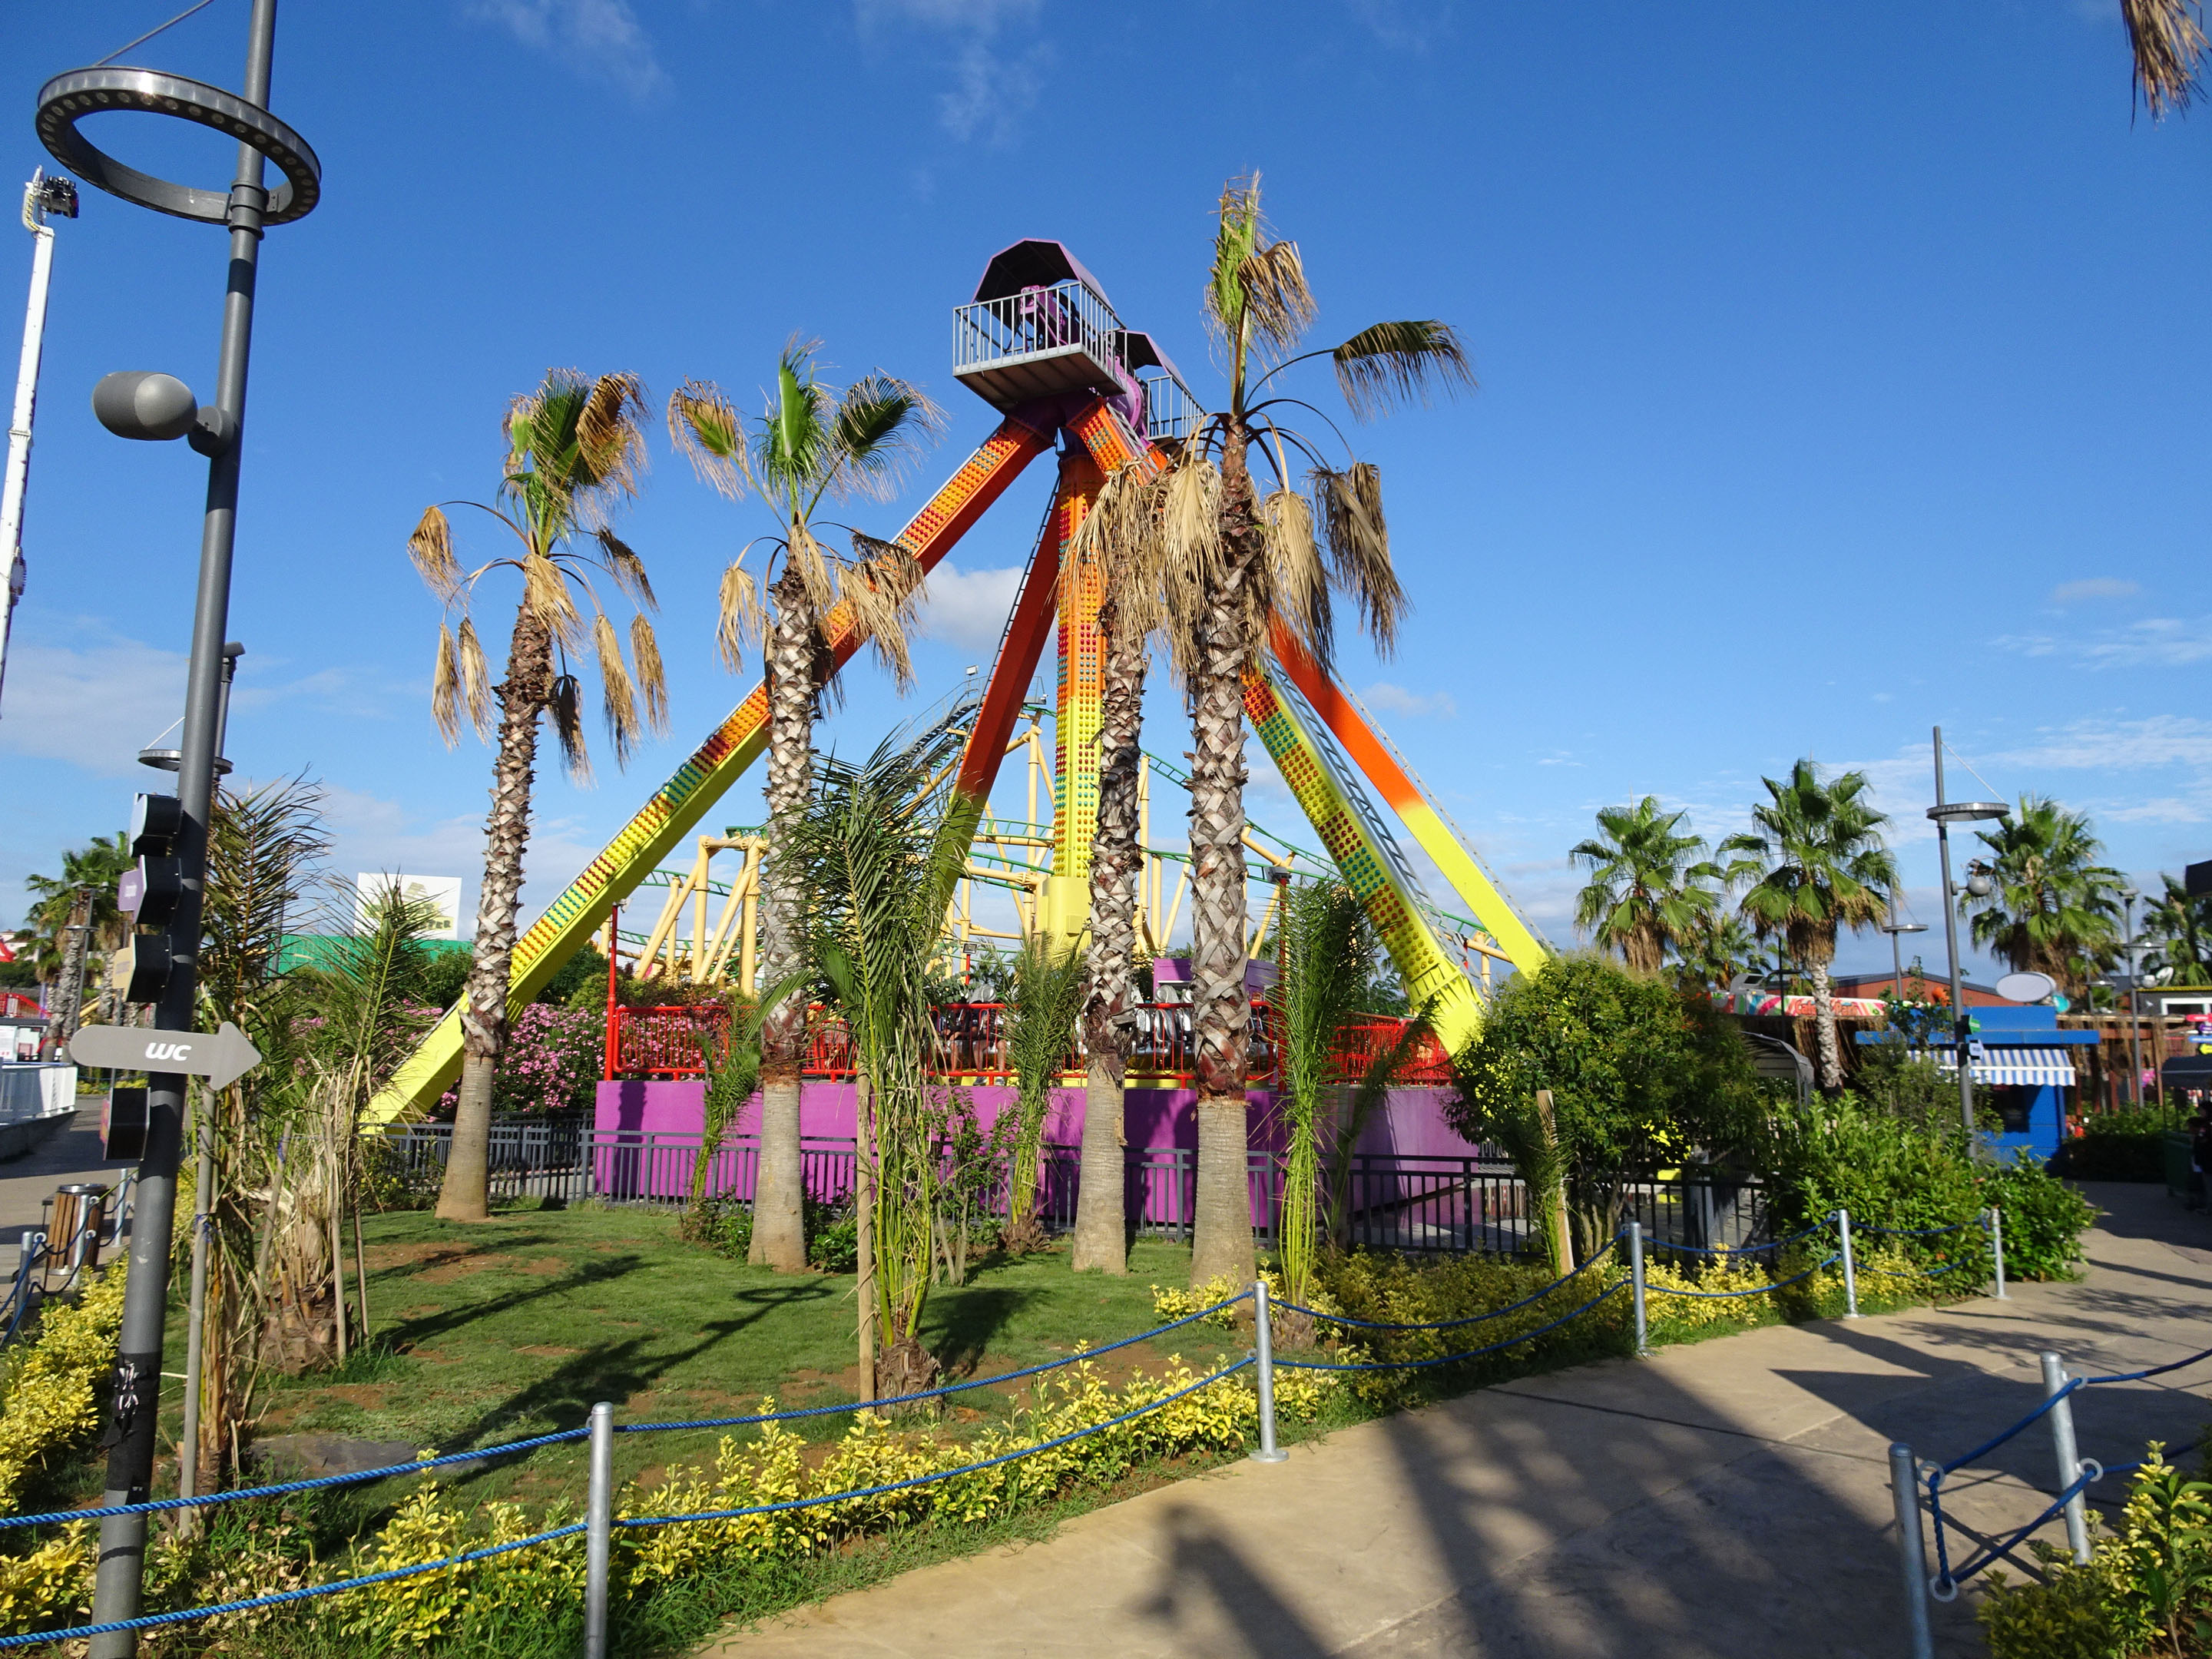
1412	1123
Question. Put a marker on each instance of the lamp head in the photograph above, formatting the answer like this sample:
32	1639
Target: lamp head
1980	886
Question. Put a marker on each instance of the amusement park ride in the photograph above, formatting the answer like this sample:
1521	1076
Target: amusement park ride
1040	344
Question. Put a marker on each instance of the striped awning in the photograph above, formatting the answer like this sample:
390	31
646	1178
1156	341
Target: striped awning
2007	1064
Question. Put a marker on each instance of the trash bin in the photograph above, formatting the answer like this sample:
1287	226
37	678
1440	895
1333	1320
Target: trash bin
2174	1144
74	1216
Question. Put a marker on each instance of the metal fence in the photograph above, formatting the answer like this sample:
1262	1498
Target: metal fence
1421	1205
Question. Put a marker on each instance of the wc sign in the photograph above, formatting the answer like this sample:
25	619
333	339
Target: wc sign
222	1057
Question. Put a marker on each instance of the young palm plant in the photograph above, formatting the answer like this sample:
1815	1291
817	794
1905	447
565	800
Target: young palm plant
1650	885
1817	864
869	855
1327	953
2178	925
811	444
575	451
2055	908
1040	1032
1228	558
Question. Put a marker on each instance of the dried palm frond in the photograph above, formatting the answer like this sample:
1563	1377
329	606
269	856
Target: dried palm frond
652	680
1120	536
618	697
1297	588
1277	302
475	682
883	588
627	569
565	703
545	595
707	431
813	565
741	617
611	436
445	681
431	548
1360	548
2168	38
1378	365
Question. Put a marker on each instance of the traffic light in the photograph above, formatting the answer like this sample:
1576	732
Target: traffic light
151	891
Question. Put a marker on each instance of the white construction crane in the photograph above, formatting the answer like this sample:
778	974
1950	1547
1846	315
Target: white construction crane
42	198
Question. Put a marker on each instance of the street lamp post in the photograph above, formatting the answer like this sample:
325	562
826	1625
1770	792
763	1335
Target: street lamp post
154	406
1893	928
1946	813
43	197
2127	896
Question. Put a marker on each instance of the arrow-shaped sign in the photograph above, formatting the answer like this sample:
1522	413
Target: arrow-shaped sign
222	1059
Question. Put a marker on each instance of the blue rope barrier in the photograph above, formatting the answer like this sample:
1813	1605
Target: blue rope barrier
927	1480
1420	1365
286	1488
1739	1249
149	1621
1945	1582
1450	1324
156	1507
2155	1370
1989	1446
934	1393
1918	1273
1761	1289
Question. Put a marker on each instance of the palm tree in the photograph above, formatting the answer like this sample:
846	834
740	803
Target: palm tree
1328	952
1049	985
1649	884
868	856
1112	544
1229	562
77	912
575	449
1722	949
1818	864
811	444
2180	927
2167	38
2054	909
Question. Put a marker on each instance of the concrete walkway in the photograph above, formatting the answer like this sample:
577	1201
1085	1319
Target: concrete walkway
73	1154
1727	1499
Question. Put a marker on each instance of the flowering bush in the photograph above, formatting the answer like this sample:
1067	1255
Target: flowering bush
553	1059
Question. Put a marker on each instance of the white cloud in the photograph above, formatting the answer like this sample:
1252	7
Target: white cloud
1397	699
598	37
968	607
2095	587
2153	643
2118	745
94	705
991	87
2167	809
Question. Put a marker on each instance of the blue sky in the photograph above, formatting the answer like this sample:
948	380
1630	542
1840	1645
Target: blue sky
1843	372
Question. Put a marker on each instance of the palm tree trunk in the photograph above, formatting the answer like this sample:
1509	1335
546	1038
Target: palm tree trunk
1101	1227
1824	1018
1221	1236
779	1185
465	1195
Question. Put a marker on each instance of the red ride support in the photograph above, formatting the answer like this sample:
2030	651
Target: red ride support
614	1003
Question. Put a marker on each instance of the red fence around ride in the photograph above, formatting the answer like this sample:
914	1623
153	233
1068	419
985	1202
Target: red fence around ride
665	1042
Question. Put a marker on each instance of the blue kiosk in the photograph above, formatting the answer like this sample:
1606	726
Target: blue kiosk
2028	1064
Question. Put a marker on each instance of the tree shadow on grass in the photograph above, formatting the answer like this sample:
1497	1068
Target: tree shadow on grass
961	1323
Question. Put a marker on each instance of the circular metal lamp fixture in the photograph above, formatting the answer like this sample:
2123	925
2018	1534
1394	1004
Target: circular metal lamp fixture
1968	811
1904	928
68	98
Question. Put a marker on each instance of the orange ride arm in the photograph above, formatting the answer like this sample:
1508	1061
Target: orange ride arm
677	806
1403	796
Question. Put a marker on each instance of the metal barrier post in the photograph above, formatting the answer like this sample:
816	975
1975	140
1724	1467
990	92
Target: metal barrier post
599	1530
2069	1458
1997	1246
1636	1284
1850	1270
1263	1348
1912	1548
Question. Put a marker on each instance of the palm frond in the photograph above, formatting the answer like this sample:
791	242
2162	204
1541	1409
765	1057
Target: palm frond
1359	549
878	427
1297	584
2167	37
1236	236
882	588
652	678
1379	366
431	548
611	452
627	569
740	616
445	685
476	681
565	705
618	697
545	595
705	427
1278	306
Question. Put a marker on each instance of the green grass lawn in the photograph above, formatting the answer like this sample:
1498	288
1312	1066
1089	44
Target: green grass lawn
516	1327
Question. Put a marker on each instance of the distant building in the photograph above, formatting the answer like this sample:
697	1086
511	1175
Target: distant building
1915	988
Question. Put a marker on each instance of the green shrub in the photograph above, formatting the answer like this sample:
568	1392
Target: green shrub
2044	1219
2120	1146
